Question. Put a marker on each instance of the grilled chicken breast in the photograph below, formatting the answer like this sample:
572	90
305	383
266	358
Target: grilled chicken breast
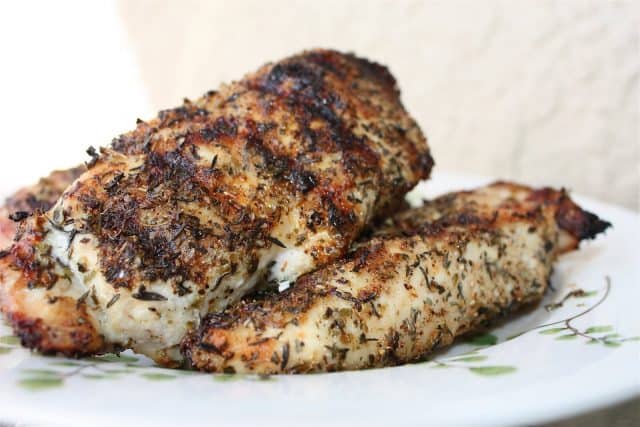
38	197
263	180
430	275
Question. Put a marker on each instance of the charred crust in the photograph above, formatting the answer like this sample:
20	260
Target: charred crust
338	218
19	216
221	127
580	223
185	112
75	339
281	167
91	151
302	180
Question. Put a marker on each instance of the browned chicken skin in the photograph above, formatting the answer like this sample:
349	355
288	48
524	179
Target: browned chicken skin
432	274
263	180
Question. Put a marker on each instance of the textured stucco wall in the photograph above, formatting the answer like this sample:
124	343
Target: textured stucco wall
544	92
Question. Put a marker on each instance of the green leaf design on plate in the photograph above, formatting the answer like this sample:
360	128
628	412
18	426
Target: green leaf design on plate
114	358
566	337
599	329
632	339
117	371
134	366
223	378
158	376
551	331
609	336
68	363
486	339
492	370
440	366
9	340
42	372
612	343
40	383
98	376
593	341
186	373
479	358
587	294
5	350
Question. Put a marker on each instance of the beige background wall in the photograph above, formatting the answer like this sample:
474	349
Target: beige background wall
541	91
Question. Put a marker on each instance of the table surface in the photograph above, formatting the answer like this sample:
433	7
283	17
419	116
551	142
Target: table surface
623	415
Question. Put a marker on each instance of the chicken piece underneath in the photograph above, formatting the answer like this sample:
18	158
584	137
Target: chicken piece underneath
38	197
431	274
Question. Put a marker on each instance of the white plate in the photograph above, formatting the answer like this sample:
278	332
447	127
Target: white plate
543	374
